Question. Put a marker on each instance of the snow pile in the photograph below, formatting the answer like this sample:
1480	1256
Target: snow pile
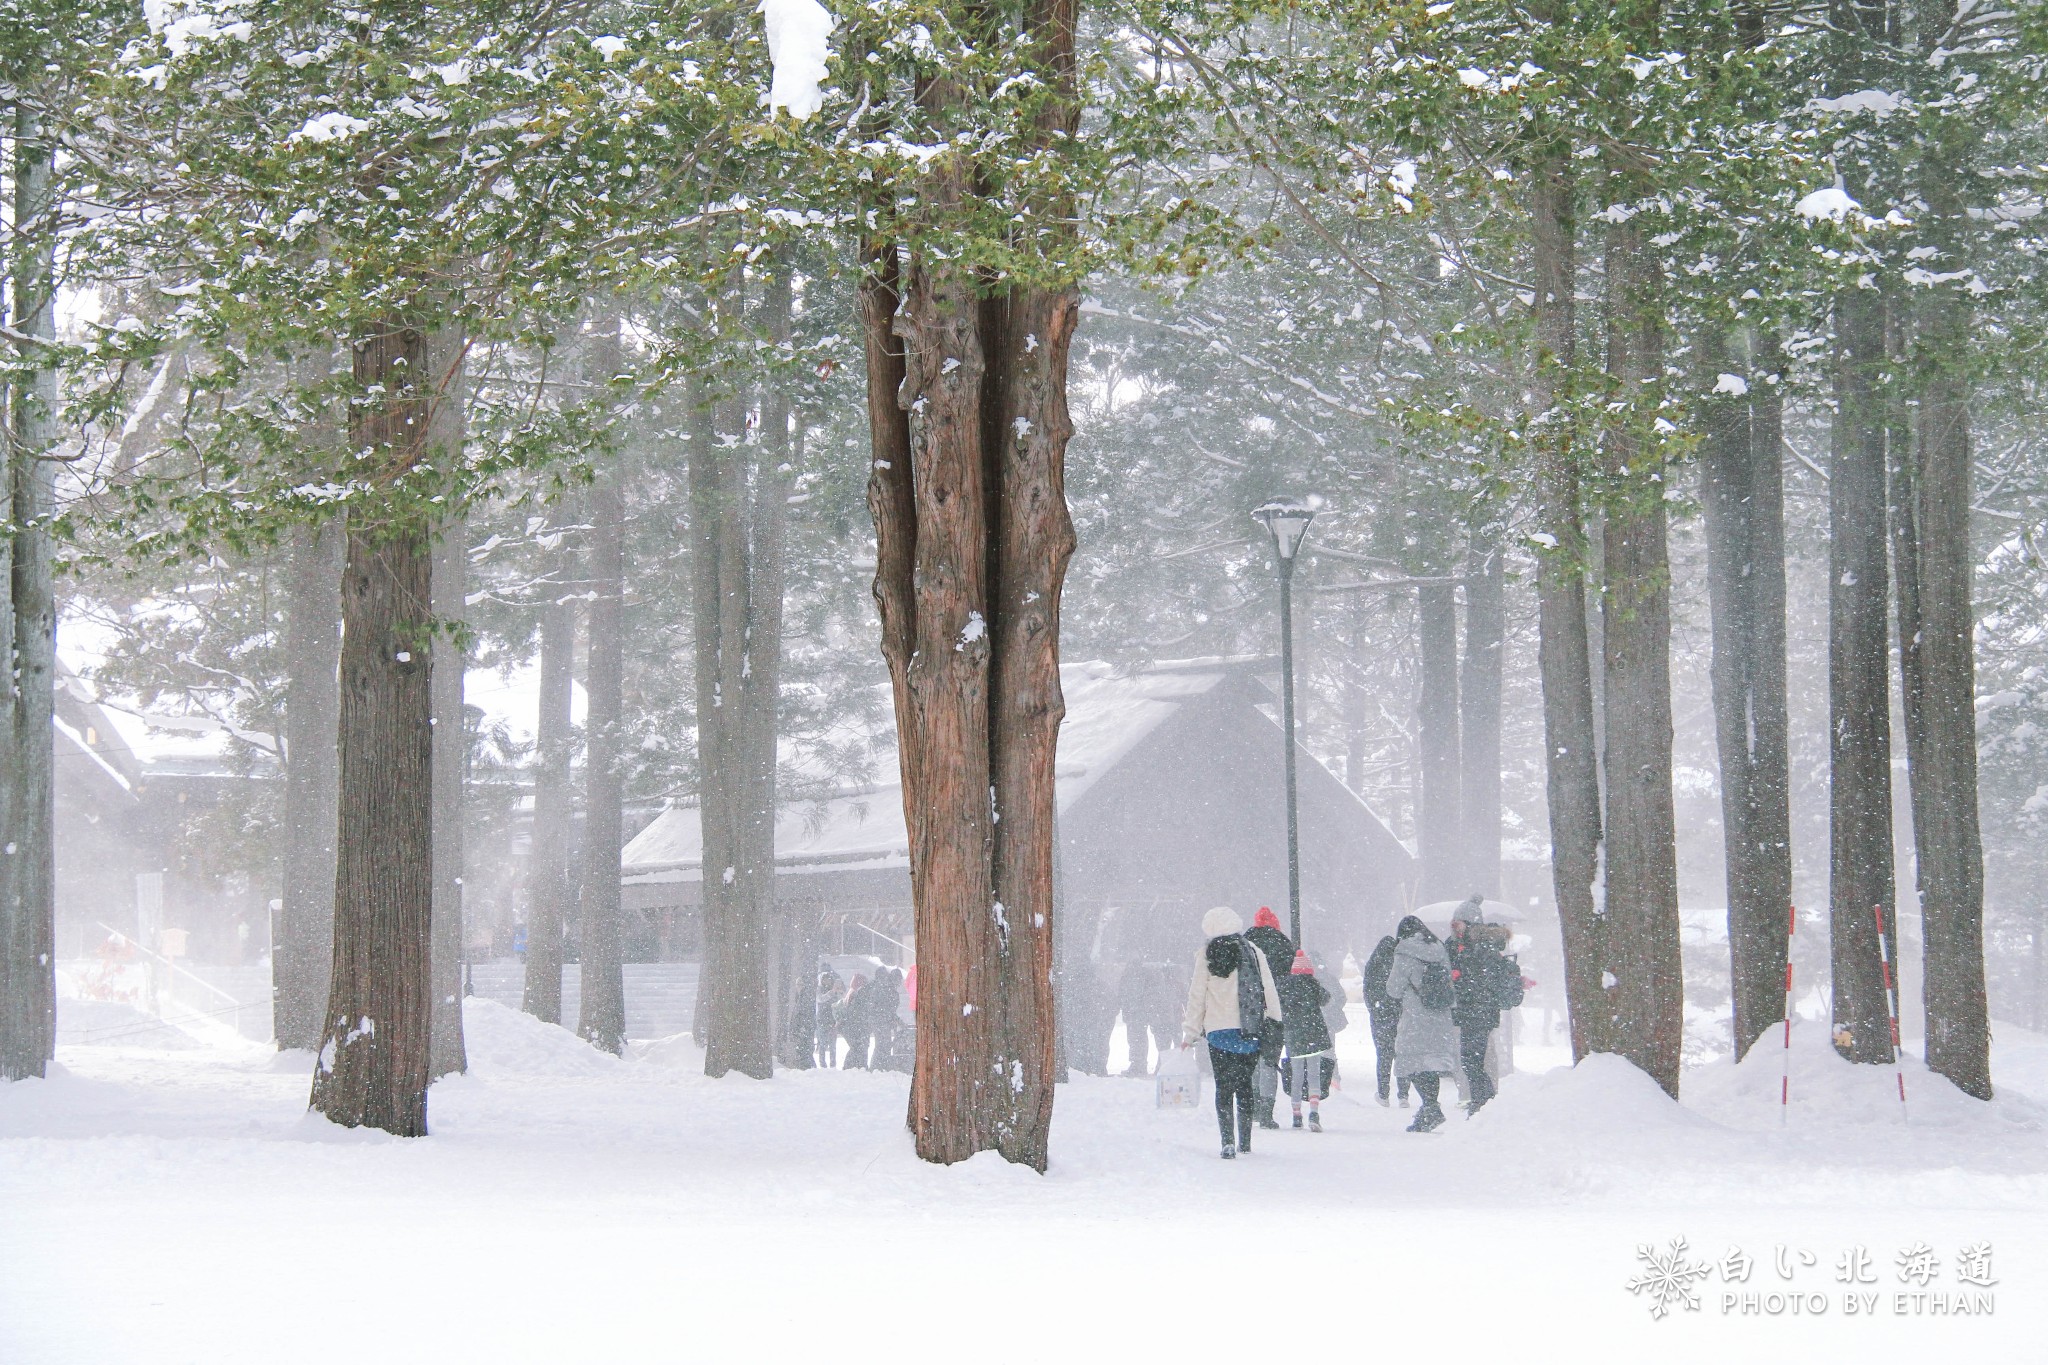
799	45
1832	203
1831	1094
504	1041
1600	1098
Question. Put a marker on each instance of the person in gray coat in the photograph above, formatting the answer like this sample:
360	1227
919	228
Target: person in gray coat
1426	1044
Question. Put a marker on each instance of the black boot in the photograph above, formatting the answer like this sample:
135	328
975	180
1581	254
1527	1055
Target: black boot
1244	1131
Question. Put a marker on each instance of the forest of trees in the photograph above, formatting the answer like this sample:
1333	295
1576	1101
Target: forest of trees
766	372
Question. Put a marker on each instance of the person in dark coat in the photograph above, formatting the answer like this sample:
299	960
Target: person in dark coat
1309	1044
831	990
1486	981
881	1000
853	1022
1278	950
1384	1013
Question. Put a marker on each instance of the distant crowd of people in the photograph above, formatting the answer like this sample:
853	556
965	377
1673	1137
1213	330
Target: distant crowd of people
1258	1003
866	1014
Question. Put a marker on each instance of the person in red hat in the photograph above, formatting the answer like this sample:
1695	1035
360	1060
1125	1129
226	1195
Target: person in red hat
1278	950
1309	1044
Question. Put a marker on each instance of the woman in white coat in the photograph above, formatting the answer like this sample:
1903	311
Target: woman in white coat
1232	1002
1426	1045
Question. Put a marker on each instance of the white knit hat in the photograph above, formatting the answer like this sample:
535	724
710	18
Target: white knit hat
1220	921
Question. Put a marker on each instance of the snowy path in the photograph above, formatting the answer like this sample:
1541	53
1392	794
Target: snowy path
175	1207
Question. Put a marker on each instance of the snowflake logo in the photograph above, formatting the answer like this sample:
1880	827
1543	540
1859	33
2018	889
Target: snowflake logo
1668	1278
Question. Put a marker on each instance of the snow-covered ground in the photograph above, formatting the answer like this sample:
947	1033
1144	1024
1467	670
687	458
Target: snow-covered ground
181	1206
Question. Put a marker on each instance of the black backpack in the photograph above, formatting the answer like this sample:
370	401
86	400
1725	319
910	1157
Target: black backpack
1434	990
1251	990
1504	981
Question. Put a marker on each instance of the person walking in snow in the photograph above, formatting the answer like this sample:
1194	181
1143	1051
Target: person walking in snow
1425	1042
1278	950
831	990
1309	1044
1383	1011
881	999
1487	981
1458	945
853	1022
1232	1003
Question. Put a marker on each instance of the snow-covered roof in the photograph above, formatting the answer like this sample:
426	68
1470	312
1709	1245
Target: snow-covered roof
1109	713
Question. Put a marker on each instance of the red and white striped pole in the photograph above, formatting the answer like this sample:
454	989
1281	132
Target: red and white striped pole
1891	998
1785	1083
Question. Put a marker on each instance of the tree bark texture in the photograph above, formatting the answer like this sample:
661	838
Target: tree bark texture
1479	701
1438	825
603	1011
1859	712
1742	489
447	428
554	810
374	1054
303	953
1641	911
1564	660
28	886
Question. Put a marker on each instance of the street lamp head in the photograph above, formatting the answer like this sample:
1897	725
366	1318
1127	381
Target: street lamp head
1288	521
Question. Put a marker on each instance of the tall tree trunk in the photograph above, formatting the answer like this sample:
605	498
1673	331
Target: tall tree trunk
603	1015
1641	911
1859	712
1936	621
1564	661
1479	699
554	807
373	1067
28	885
303	953
447	430
1742	487
736	809
1437	824
973	540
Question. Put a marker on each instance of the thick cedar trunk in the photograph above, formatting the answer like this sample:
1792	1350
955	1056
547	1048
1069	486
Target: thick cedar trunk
1742	488
28	949
970	427
1479	700
1936	621
737	810
1641	910
1563	658
1437	823
602	1019
1859	715
373	1065
447	428
303	952
554	802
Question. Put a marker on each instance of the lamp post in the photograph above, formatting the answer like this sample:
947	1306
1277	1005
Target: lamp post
1287	521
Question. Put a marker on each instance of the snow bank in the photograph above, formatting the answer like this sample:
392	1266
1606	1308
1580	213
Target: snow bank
1831	1094
1602	1096
504	1041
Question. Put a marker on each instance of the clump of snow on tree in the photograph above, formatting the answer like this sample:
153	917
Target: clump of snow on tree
1832	203
799	45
